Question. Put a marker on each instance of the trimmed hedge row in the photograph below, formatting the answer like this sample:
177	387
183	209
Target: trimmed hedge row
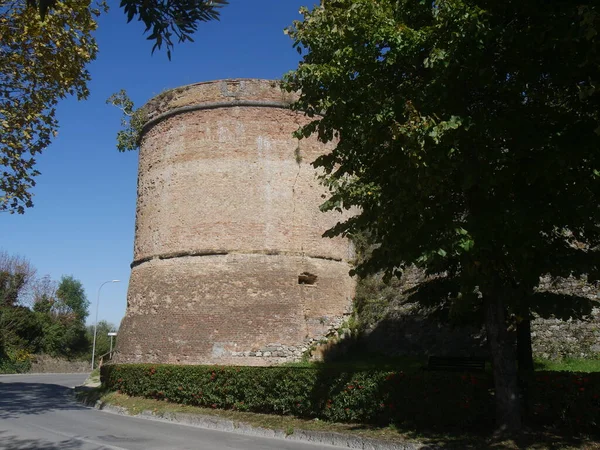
423	400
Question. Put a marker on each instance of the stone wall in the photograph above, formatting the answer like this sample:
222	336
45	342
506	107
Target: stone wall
556	339
229	263
391	325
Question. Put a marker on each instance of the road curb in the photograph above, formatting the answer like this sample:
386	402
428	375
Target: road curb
220	424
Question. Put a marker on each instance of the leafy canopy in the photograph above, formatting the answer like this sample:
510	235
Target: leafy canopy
467	137
71	299
45	46
467	133
41	62
132	121
166	19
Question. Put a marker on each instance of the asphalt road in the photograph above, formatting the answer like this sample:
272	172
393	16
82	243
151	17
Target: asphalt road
37	412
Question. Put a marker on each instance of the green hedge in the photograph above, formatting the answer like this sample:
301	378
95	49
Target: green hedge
565	399
423	400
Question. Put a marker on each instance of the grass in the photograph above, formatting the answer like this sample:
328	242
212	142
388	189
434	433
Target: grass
416	363
288	424
529	439
571	365
93	378
380	362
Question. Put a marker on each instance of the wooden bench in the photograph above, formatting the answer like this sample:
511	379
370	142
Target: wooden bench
456	364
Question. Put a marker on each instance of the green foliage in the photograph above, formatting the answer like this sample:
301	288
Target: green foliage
15	362
41	63
11	285
132	121
339	395
102	338
425	400
372	300
55	324
19	330
43	306
569	365
71	299
44	61
63	337
167	18
467	138
16	276
569	399
63	324
476	162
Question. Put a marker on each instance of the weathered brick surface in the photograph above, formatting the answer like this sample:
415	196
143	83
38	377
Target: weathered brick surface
218	91
227	220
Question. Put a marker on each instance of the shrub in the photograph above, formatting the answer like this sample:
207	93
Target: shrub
15	362
433	400
426	399
568	399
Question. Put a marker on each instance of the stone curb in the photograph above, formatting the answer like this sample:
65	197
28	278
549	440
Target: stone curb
231	426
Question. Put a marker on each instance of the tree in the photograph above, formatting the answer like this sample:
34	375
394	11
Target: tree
466	134
102	338
71	299
132	121
62	312
16	277
44	294
19	330
44	52
41	62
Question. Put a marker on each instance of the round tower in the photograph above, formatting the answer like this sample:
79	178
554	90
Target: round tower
229	263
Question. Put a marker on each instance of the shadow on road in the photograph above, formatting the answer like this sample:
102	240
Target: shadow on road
8	442
18	399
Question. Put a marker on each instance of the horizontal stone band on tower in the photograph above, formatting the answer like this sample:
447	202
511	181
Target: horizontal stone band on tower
223	252
230	266
212	105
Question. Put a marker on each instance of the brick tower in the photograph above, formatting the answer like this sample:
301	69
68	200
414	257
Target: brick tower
229	263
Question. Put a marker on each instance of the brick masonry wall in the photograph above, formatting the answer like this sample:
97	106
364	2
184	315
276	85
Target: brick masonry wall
229	263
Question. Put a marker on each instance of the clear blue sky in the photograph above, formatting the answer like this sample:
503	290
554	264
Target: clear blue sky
82	223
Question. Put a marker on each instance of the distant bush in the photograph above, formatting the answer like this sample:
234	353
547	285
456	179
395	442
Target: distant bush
432	400
17	362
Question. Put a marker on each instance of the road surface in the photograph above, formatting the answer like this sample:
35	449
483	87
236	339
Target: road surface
37	412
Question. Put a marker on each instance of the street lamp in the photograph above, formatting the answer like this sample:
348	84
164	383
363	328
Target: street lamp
96	324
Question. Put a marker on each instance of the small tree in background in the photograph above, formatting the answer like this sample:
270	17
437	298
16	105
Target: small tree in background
71	299
62	312
102	338
16	278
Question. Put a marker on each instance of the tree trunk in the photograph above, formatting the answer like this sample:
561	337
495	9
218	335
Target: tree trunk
504	366
524	349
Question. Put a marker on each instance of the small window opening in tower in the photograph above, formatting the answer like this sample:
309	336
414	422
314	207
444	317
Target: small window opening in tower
307	278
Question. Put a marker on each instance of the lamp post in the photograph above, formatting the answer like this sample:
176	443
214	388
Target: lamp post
96	323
